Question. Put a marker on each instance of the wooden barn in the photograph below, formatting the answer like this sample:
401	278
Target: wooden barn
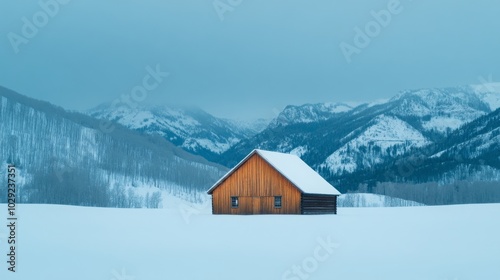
273	183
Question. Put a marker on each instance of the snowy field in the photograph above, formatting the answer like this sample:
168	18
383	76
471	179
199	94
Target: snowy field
184	242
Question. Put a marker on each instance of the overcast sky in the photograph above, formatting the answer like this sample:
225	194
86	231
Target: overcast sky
247	60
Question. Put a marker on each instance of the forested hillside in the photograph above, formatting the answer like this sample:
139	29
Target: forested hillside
68	158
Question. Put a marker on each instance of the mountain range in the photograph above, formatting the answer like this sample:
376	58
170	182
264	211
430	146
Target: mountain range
342	142
440	135
190	128
357	139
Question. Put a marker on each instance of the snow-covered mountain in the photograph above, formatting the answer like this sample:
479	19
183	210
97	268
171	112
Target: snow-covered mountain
361	138
385	136
191	128
470	153
411	120
449	108
309	113
67	158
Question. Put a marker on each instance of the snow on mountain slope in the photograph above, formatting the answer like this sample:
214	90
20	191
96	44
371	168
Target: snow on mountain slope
476	150
415	243
385	136
299	151
488	93
449	108
373	200
479	137
443	124
467	156
485	142
309	113
188	127
252	126
480	143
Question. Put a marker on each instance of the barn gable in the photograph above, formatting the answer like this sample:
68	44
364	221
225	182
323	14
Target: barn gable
255	194
299	173
293	169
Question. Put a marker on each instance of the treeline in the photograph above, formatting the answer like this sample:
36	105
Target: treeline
77	187
373	200
459	192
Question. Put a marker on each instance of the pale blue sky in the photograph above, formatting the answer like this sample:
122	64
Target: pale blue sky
264	55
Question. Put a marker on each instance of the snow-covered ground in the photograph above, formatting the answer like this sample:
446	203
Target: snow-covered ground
187	242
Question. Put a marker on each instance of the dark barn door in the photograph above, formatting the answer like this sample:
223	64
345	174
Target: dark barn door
318	204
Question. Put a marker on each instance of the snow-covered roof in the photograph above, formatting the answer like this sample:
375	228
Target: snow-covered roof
291	167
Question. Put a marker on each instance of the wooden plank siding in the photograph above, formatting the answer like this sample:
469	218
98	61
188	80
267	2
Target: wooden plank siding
318	204
256	183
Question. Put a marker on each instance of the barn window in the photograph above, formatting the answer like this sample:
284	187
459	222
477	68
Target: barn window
277	201
234	201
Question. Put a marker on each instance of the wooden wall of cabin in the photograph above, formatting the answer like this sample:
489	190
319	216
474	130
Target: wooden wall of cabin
318	204
256	183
